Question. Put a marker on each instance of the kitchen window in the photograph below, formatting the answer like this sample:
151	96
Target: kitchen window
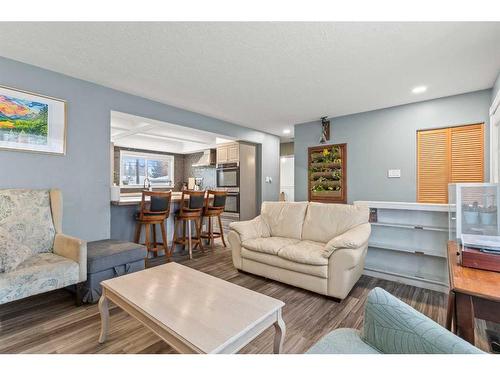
136	166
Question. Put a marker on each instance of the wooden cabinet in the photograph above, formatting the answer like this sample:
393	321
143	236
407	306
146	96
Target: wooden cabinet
228	153
222	154
233	152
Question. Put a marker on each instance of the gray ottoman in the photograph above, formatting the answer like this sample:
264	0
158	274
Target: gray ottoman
107	259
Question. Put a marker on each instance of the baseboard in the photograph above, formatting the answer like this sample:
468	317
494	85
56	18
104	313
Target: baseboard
408	280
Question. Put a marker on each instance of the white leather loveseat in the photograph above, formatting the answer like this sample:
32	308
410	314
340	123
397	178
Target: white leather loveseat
315	246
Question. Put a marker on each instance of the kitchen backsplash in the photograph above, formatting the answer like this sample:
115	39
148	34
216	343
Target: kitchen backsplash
207	173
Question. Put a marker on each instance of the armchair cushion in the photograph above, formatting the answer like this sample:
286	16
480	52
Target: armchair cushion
12	253
26	215
38	274
352	239
393	327
255	228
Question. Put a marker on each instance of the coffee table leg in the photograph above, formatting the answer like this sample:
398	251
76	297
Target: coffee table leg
103	309
279	335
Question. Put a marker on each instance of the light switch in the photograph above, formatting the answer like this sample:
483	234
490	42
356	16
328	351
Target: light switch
394	173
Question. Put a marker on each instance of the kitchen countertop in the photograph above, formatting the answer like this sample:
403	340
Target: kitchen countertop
130	199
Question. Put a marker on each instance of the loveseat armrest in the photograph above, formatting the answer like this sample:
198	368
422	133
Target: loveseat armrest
74	249
354	238
393	327
250	229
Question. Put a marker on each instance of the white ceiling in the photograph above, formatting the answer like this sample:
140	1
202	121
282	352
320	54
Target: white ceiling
147	134
267	76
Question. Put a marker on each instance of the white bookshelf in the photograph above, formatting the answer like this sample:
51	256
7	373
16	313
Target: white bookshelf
408	243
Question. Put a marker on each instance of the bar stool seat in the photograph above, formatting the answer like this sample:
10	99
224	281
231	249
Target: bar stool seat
151	214
191	209
215	203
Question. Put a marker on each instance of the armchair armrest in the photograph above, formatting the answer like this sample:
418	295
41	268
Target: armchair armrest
354	238
393	327
249	229
74	249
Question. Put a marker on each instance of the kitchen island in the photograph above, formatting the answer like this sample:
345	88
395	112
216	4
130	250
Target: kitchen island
123	214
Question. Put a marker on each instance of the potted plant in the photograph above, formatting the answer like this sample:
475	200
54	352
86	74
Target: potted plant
487	214
471	213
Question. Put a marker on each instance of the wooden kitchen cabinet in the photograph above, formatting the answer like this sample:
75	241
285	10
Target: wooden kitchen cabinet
228	153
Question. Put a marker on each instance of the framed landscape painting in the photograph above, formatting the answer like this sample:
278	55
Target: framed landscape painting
32	122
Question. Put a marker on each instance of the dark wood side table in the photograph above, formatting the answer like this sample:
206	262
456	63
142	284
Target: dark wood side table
473	293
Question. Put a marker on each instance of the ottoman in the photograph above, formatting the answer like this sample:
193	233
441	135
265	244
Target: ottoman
107	259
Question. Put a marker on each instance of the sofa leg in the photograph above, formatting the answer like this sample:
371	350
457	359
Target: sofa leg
335	299
79	294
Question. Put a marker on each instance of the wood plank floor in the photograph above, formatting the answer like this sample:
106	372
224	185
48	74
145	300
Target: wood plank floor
51	323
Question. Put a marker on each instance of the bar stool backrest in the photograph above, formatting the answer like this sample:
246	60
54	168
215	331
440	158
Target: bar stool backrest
195	202
218	202
158	207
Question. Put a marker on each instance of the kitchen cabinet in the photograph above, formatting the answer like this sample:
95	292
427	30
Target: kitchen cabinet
228	153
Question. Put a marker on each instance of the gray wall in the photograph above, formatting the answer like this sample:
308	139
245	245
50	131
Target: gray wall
386	139
83	173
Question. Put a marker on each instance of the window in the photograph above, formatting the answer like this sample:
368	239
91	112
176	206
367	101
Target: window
448	155
135	167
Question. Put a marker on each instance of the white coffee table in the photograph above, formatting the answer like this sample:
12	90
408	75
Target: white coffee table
191	311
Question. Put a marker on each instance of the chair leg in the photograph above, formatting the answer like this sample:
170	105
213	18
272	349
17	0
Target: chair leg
184	234
164	237
155	242
198	233
148	233
221	231
212	238
137	236
190	245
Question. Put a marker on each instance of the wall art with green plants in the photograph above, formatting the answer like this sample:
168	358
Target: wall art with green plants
327	173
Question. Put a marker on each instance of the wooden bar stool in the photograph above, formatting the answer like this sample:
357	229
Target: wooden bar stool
151	213
214	207
191	210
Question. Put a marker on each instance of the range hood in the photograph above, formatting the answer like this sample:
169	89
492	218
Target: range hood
207	159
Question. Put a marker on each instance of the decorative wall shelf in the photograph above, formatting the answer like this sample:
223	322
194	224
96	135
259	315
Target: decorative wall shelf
327	180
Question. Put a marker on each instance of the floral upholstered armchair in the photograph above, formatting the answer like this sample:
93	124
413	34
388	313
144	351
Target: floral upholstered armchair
35	257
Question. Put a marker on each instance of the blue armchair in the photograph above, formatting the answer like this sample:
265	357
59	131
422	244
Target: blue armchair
392	327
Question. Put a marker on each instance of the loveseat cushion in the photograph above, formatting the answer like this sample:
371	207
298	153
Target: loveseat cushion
324	221
38	274
276	261
306	252
26	215
12	252
270	245
284	219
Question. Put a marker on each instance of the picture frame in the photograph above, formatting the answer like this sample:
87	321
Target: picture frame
32	122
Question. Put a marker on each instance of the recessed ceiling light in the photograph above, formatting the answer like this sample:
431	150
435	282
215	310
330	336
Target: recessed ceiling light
419	89
286	131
